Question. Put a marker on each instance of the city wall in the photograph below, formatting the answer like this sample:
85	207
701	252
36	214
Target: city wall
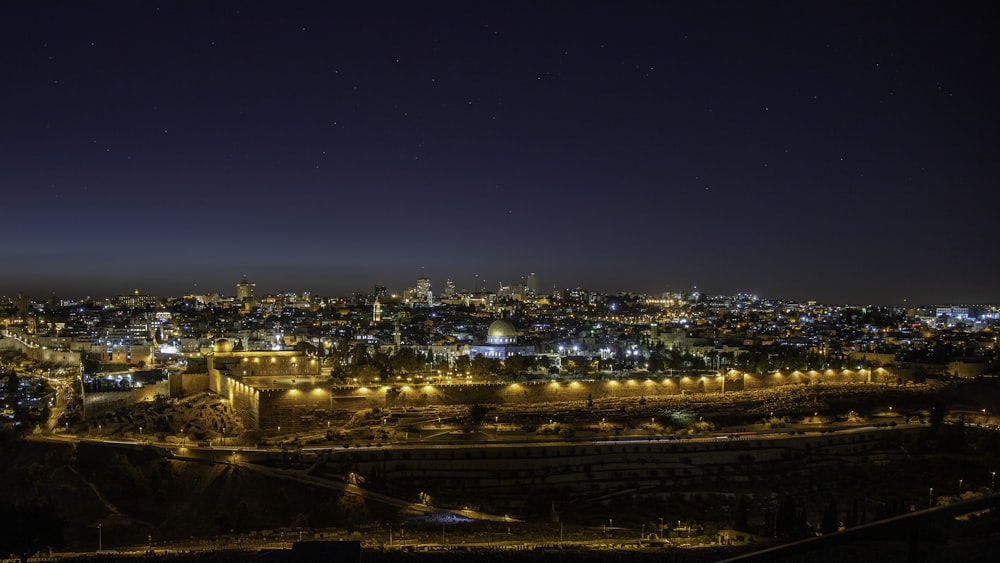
269	408
98	403
581	391
244	399
358	398
38	353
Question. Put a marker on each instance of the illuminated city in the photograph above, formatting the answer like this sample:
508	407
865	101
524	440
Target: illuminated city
504	420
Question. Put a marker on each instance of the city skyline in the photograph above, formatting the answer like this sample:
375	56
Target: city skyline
842	153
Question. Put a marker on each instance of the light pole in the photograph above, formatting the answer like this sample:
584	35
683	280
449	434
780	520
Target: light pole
99	538
661	527
930	497
993	481
960	481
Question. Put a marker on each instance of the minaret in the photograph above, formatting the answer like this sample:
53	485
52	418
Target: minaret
396	336
152	343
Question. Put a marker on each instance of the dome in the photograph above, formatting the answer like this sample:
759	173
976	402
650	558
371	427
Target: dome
501	328
223	345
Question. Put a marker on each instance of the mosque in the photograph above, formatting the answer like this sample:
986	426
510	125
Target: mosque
501	342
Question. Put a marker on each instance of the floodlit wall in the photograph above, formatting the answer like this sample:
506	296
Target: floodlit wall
98	403
272	408
38	353
182	384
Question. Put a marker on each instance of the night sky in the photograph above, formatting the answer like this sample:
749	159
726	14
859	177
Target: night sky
837	151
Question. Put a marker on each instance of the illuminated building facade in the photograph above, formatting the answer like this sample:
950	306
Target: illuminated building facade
501	342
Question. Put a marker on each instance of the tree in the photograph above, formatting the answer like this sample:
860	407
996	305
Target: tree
829	523
937	415
482	365
515	364
741	516
12	381
463	364
478	413
405	360
359	354
789	522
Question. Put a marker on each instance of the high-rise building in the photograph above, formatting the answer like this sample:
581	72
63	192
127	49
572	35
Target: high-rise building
135	300
424	290
244	290
532	284
22	303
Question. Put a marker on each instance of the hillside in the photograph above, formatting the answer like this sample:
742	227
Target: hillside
136	493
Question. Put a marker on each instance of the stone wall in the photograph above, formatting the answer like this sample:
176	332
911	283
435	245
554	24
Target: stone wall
98	403
272	408
41	354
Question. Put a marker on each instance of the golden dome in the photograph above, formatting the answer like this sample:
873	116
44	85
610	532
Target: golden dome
501	328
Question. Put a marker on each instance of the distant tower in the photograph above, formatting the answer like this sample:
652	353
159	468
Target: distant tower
244	290
424	290
449	288
396	335
532	284
377	311
22	303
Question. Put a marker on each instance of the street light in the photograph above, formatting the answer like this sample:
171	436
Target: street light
99	539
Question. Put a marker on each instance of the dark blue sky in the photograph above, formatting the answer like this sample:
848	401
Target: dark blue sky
844	152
